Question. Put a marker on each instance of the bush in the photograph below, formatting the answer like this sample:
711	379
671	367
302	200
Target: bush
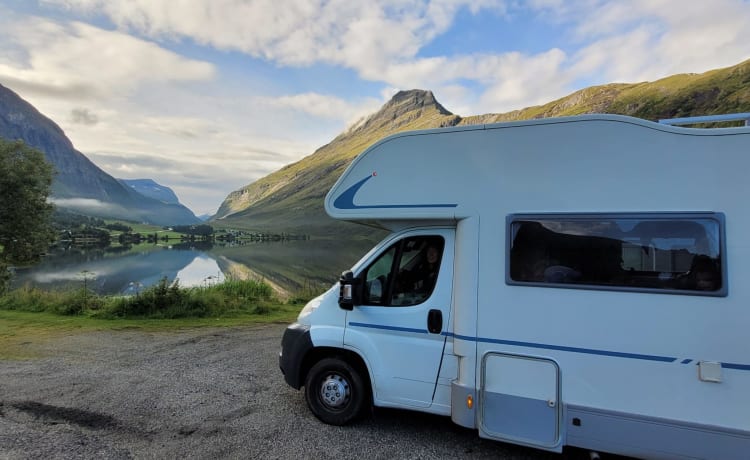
76	302
165	300
152	302
29	299
5	276
244	289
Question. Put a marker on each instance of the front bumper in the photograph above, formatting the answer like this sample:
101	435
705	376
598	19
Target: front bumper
295	344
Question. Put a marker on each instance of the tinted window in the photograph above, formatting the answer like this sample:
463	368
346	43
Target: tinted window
672	253
405	273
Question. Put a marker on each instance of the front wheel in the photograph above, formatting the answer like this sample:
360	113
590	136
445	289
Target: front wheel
335	392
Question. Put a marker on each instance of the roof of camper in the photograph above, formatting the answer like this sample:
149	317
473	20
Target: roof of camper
394	163
663	125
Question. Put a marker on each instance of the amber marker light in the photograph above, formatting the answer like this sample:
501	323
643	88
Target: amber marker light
470	402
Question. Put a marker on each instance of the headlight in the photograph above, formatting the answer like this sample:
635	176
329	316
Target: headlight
309	308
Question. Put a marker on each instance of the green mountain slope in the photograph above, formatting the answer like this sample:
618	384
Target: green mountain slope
714	92
291	199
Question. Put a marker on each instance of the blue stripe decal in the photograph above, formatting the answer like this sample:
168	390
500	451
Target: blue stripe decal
390	328
739	367
346	200
588	351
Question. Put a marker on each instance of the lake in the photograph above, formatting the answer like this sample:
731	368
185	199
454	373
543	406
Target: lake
300	267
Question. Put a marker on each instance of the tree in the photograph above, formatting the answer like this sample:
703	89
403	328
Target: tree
25	215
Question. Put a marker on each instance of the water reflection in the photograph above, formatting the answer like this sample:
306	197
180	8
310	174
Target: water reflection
291	267
197	272
113	273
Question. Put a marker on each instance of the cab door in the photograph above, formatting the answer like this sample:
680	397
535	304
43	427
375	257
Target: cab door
401	327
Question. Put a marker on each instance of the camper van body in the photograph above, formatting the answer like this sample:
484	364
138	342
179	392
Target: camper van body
622	354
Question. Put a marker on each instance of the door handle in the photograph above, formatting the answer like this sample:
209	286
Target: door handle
435	321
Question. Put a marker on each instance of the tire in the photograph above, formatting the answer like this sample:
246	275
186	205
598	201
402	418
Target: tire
335	392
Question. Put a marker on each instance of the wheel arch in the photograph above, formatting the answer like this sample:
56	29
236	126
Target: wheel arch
351	357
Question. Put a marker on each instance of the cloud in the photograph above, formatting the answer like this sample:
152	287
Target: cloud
83	116
381	41
203	174
88	205
364	35
647	40
326	106
77	60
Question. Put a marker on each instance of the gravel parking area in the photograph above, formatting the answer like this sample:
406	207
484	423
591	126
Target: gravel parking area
198	393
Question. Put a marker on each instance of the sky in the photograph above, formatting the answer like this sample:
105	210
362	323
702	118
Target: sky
207	96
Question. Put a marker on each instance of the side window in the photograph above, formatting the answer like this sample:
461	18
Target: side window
677	254
404	274
377	277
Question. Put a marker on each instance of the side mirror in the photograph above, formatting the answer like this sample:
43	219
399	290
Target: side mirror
349	294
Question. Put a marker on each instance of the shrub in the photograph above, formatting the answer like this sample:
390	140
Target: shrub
28	298
152	302
244	289
164	300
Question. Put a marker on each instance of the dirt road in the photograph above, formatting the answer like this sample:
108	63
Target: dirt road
198	393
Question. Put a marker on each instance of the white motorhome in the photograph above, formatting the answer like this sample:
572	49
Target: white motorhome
589	287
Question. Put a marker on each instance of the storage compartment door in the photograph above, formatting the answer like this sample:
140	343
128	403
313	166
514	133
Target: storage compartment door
520	400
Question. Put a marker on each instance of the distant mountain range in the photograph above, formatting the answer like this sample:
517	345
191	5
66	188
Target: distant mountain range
149	188
79	185
291	199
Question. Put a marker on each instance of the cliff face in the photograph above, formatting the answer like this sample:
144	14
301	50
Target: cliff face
80	185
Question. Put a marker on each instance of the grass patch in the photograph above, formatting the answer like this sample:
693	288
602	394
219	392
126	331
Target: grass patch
163	301
29	316
22	332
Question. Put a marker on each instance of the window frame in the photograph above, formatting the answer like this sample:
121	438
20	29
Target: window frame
388	288
719	217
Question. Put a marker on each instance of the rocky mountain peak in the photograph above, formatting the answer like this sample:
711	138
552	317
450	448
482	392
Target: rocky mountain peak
414	99
405	107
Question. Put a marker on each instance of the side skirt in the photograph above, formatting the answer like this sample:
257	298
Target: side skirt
651	437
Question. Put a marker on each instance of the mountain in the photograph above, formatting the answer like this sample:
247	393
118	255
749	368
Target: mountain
291	199
149	188
79	184
714	92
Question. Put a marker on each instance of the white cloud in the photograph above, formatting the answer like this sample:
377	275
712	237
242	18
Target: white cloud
89	205
78	60
651	39
326	106
507	80
381	41
364	35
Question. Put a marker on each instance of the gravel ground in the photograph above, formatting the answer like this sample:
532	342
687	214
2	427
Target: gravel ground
198	393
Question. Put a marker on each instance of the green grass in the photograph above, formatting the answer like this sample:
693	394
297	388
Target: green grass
22	331
30	315
144	229
163	301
